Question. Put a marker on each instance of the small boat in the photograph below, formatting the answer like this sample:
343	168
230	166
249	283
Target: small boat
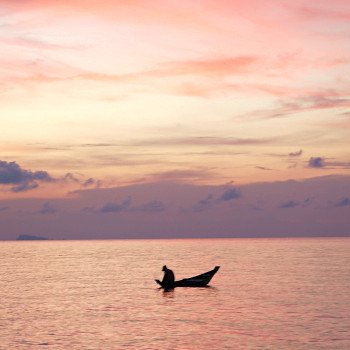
196	281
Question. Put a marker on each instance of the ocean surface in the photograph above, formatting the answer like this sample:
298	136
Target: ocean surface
268	294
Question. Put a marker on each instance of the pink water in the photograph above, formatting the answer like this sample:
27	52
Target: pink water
268	294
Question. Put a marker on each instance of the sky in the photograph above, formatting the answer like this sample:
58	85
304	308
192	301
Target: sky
174	118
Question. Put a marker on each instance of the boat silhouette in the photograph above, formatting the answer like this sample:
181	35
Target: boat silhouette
196	281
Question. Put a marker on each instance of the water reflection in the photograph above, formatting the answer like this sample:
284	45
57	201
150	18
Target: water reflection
168	293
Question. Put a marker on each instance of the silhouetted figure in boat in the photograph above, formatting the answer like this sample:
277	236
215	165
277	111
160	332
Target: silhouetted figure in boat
168	279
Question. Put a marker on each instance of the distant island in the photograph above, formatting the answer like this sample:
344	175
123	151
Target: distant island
31	238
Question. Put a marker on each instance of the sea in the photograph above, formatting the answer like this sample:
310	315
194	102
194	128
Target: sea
278	293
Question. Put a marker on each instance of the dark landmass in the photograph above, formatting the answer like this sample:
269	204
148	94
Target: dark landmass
31	238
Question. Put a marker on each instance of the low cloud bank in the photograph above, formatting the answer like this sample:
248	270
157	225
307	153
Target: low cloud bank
312	207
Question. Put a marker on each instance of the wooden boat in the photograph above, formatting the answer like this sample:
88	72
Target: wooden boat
196	281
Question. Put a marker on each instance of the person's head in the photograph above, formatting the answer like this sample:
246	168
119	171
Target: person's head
164	268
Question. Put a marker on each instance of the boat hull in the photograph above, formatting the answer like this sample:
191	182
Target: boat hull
201	280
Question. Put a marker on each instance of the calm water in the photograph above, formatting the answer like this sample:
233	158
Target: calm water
269	294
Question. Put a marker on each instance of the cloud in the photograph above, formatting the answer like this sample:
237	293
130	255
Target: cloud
230	194
22	180
292	203
205	203
3	208
150	207
69	177
339	165
343	202
289	204
48	208
213	70
316	162
212	67
26	186
211	201
208	75
88	182
78	179
125	206
313	101
113	207
218	20
296	154
204	141
184	175
319	162
322	13
286	155
12	174
262	168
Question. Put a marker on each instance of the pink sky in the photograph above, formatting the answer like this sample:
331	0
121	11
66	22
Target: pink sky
202	93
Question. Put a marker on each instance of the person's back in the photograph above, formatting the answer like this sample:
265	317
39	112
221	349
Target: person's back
168	279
